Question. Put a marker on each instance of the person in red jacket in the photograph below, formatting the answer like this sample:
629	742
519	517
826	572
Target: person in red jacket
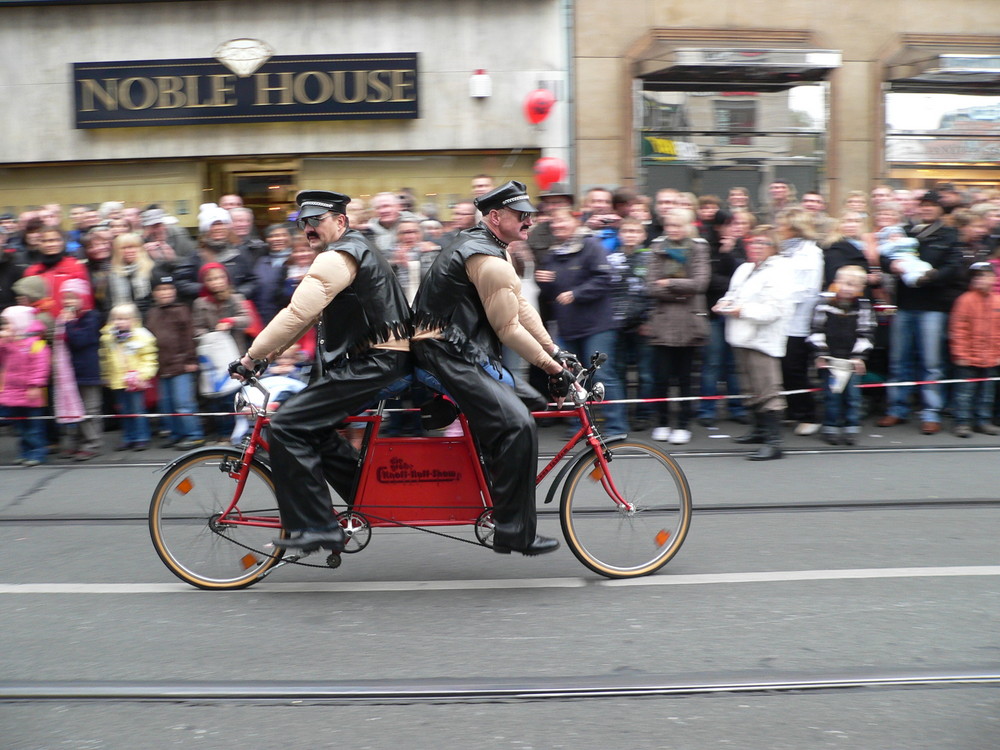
974	326
56	267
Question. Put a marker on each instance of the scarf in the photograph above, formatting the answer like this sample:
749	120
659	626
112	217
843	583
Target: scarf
66	401
677	253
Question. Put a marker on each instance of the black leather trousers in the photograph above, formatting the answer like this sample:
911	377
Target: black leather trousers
306	450
504	430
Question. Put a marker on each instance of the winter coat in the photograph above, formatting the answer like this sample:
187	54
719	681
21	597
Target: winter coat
55	275
10	271
269	275
136	353
240	267
173	327
24	363
679	316
841	253
937	246
842	330
581	266
764	295
83	336
806	267
207	313
974	329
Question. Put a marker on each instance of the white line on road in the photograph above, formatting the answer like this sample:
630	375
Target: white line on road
276	587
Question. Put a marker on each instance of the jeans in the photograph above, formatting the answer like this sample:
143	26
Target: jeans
177	397
674	363
30	429
634	349
916	346
718	363
606	342
974	401
134	429
842	409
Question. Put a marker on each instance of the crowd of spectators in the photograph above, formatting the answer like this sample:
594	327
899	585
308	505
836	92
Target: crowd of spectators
676	288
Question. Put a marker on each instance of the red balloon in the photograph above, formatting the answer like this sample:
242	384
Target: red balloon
549	170
538	105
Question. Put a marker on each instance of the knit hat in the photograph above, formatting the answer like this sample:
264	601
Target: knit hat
20	318
209	214
32	287
76	286
210	266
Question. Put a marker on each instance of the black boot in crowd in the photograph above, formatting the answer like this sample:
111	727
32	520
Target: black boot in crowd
771	449
756	433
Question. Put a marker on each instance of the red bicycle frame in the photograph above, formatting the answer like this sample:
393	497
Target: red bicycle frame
420	481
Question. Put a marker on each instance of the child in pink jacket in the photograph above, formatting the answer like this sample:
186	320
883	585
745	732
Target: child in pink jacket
24	375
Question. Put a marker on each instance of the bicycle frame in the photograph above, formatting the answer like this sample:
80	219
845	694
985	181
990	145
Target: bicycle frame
421	481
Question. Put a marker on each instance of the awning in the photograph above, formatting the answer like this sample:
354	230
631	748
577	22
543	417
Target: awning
734	68
924	70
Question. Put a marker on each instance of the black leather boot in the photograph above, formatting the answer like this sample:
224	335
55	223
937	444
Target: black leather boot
756	433
771	449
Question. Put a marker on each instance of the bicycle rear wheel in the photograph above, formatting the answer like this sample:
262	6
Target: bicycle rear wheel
618	541
188	535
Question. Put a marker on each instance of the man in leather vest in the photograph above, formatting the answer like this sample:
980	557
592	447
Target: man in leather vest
468	305
362	347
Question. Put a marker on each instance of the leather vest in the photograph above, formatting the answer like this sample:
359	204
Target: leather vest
448	301
372	310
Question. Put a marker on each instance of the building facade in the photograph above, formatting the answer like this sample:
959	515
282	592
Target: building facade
705	96
177	103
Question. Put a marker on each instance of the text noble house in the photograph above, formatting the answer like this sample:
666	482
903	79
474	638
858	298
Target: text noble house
177	92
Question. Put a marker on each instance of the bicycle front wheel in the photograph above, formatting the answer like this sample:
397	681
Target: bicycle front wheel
191	538
640	530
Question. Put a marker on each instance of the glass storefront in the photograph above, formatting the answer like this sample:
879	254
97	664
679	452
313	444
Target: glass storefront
933	137
706	142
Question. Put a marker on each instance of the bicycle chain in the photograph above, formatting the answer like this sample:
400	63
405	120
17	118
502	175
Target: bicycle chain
377	518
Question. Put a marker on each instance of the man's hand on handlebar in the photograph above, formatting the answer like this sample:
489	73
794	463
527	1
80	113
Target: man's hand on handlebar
246	368
559	385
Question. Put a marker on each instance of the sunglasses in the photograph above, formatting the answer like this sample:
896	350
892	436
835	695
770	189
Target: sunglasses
522	215
313	221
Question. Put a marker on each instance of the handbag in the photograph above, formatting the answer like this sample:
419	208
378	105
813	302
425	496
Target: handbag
215	350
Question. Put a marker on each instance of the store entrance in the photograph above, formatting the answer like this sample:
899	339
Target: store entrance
267	187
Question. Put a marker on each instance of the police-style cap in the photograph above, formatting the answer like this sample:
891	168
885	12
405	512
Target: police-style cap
316	202
513	195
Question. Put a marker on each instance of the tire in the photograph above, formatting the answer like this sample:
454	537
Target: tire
612	540
182	512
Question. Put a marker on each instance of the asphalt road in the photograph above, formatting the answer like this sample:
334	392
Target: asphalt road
841	599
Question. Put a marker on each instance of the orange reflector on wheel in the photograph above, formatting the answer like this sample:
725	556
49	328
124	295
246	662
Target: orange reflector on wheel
661	537
185	486
249	561
597	474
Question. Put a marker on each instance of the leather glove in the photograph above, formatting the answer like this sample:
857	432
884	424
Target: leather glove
237	370
560	383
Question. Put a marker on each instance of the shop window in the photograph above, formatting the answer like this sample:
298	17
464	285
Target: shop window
735	116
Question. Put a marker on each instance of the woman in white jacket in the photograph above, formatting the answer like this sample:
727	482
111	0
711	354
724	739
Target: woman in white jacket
758	307
796	237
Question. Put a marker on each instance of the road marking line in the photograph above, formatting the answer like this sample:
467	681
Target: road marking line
277	587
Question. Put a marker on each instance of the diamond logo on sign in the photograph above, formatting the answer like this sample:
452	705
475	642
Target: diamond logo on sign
243	56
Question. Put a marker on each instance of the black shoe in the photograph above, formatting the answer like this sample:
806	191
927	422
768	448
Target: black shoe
540	546
333	538
766	452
